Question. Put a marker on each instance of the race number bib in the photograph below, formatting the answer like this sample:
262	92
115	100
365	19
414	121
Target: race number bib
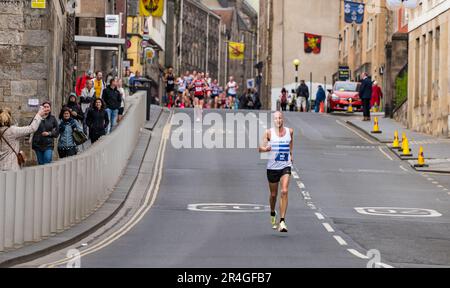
282	157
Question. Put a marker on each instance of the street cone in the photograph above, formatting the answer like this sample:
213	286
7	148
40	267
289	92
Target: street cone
421	159
406	150
403	141
350	106
396	144
376	127
322	107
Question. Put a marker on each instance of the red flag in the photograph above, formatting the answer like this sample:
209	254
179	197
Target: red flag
312	43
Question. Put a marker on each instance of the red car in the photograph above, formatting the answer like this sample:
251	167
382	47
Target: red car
339	97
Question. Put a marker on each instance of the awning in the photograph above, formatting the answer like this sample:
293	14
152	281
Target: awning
98	41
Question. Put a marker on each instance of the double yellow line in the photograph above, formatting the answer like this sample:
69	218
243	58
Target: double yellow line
150	198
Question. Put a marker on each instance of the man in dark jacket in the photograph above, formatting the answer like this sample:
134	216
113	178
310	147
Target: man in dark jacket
365	93
75	109
97	120
43	138
303	91
112	98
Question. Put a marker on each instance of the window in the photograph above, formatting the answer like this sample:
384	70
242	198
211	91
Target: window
430	68
437	62
416	73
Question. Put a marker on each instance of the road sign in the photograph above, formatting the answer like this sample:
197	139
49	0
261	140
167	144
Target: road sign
398	212
228	208
38	4
112	25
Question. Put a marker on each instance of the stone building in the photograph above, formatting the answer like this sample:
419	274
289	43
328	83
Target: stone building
97	51
429	68
282	26
36	48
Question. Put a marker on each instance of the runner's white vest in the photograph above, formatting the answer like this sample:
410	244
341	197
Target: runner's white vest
280	156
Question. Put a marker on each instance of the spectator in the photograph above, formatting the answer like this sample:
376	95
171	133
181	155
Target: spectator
87	96
99	85
43	139
11	135
303	95
377	95
123	96
81	82
283	99
320	97
365	93
97	120
111	97
66	144
75	108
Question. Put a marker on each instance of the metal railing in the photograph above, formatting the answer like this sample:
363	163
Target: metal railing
39	202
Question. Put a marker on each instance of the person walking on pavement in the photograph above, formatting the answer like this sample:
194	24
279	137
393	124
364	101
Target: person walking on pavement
75	108
303	95
365	93
97	120
43	139
99	85
66	144
377	95
112	98
320	97
283	99
279	142
11	135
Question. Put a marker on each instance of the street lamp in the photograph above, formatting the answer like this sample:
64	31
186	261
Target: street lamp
395	4
296	63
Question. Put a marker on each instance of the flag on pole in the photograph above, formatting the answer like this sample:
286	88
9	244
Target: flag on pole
153	8
236	50
313	43
354	12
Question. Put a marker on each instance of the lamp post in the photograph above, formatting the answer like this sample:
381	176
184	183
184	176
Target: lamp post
296	63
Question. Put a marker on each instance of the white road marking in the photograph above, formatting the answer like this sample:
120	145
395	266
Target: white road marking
354	131
328	227
301	185
430	179
141	212
385	154
435	182
357	254
340	240
320	216
404	169
295	175
440	186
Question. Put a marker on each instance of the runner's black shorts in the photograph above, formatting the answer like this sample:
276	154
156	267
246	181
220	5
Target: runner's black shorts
200	98
274	176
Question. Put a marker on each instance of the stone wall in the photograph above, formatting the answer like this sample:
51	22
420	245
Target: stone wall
401	114
31	57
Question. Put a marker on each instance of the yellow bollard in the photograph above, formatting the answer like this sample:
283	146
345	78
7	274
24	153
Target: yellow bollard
396	143
421	159
376	127
406	150
350	106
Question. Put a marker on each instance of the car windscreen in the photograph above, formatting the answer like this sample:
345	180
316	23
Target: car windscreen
349	87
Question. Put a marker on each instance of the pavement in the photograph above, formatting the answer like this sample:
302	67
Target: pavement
101	216
352	203
436	150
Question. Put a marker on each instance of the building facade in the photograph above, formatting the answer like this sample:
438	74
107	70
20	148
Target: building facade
281	41
429	67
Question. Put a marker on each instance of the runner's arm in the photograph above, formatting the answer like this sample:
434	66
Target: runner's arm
264	148
292	144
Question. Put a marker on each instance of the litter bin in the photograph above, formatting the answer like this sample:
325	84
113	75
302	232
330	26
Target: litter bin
144	84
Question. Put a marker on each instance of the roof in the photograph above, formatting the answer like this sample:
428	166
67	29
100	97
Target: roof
226	15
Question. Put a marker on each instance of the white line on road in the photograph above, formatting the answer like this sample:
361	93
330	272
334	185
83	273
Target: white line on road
354	131
320	216
404	169
385	154
440	186
340	240
328	227
301	185
357	254
435	182
295	175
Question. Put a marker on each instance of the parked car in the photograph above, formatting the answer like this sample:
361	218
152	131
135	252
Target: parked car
338	99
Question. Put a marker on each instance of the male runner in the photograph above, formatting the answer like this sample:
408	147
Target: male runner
199	95
279	142
231	89
169	80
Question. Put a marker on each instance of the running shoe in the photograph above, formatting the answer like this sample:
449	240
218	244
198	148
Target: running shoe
273	220
283	227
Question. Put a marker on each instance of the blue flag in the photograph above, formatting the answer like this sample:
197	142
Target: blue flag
354	12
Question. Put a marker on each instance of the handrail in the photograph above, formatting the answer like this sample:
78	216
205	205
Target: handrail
41	201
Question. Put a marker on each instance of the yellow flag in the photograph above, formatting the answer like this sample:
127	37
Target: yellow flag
153	8
236	50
